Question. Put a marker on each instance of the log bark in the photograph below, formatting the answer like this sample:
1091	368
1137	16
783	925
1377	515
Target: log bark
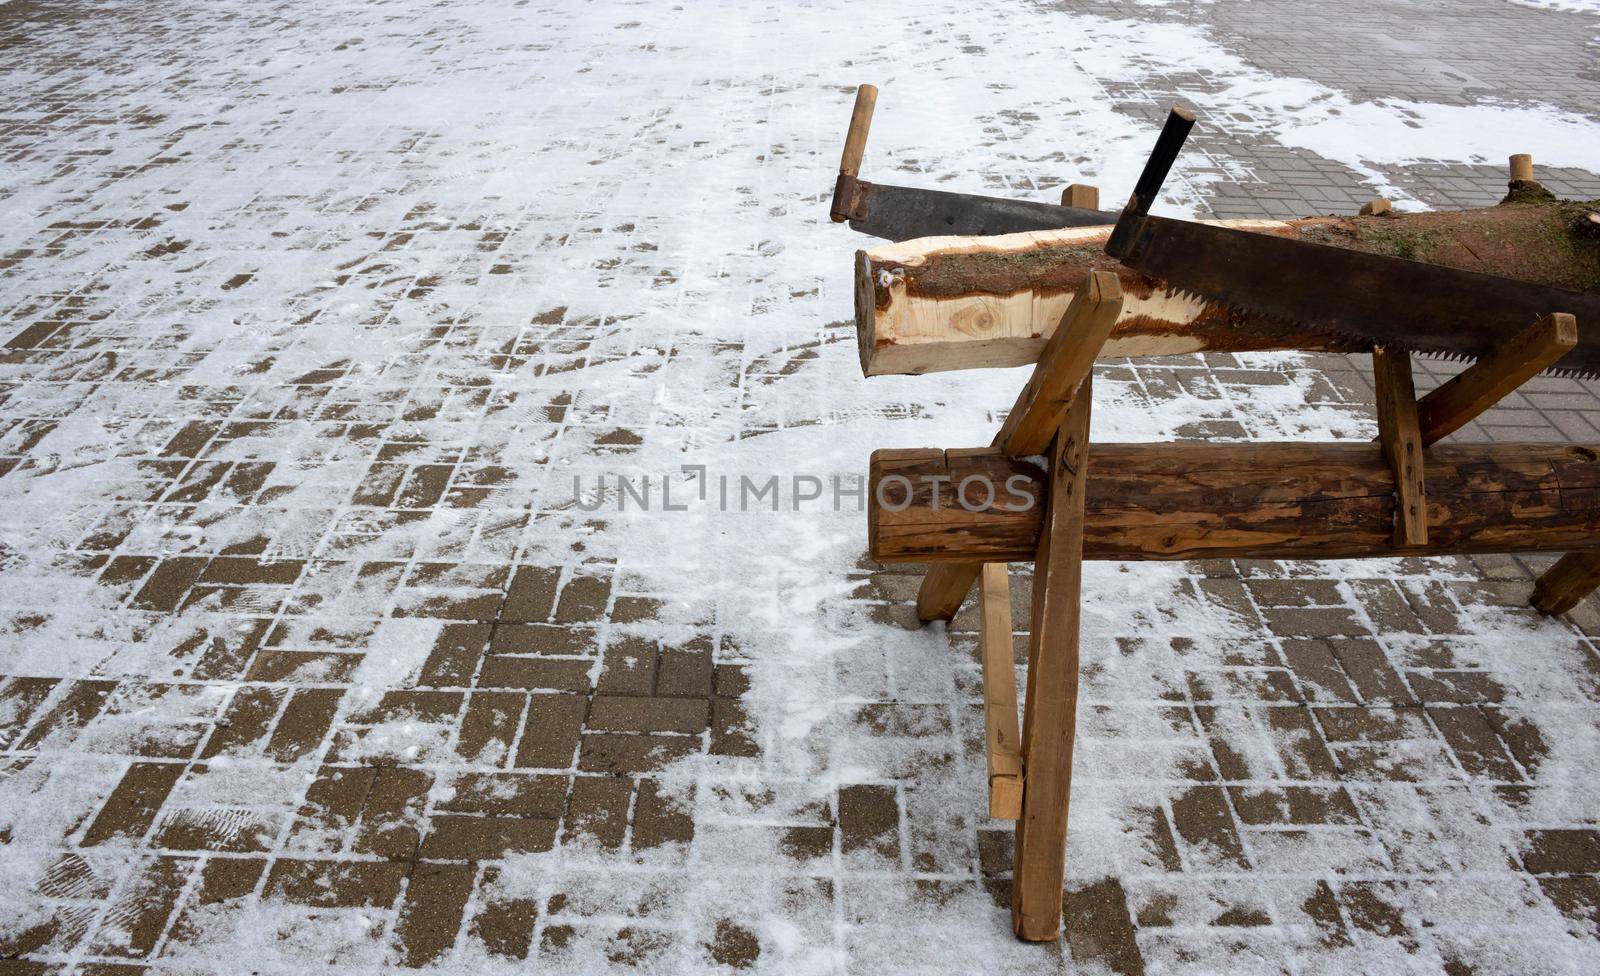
944	303
1247	500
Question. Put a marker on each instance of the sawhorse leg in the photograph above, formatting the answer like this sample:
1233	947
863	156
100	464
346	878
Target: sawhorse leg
1050	715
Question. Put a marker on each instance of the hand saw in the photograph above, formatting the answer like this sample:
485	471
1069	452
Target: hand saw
903	213
1288	286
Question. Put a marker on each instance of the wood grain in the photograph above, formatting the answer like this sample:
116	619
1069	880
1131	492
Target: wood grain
1401	439
1081	195
1244	500
1486	382
1573	577
999	693
1050	715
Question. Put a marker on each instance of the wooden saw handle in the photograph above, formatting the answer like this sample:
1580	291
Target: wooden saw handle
855	141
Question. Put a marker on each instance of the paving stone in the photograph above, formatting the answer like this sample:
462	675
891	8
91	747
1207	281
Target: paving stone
508	794
475	838
735	946
454	659
599	809
533	673
659	818
392	812
132	806
1204	824
333	802
435	900
550	731
869	820
245	724
336	884
1562	851
304	722
77	708
1099	930
490	726
503	924
135	922
610	713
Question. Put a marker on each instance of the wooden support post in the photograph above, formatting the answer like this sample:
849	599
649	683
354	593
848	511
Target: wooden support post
1483	384
1081	195
1376	208
1573	577
1402	442
1067	361
999	694
1522	168
1050	718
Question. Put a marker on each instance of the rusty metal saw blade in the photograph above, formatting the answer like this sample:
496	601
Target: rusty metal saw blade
903	213
1286	285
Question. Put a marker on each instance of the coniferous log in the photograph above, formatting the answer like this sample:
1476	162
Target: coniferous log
1248	500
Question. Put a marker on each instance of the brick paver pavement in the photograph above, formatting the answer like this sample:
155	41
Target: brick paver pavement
313	662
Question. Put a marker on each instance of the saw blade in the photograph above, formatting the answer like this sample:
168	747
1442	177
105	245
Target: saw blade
1287	287
903	213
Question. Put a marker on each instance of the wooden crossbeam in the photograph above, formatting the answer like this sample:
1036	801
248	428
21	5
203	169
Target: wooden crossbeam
1573	577
1250	500
1480	386
1050	716
999	693
1067	362
1401	438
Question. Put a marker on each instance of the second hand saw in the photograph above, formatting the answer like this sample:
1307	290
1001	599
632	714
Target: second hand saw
1296	286
903	213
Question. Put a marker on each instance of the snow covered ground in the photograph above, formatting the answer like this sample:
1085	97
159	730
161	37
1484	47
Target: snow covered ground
318	316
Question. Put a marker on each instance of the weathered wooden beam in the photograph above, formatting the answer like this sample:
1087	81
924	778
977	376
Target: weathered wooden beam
970	302
1573	577
999	693
1050	716
1241	500
1454	403
1067	361
1401	442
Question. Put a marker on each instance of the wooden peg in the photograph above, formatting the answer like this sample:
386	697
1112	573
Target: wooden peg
1082	196
1489	380
1522	168
1573	577
999	693
1402	442
1376	208
1050	716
